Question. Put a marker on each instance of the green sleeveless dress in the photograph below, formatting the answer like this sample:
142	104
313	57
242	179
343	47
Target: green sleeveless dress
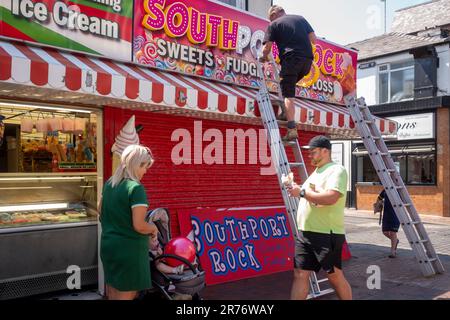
124	251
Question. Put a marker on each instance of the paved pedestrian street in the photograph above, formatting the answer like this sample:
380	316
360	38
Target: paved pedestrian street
400	277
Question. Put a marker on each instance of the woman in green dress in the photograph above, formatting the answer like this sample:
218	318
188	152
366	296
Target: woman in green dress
125	233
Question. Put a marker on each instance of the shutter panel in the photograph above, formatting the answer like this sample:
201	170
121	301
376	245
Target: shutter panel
187	186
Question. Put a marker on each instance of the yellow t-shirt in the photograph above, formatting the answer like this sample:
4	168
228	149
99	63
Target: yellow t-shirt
319	218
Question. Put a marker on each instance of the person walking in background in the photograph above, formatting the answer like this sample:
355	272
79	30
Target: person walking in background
294	37
125	233
388	220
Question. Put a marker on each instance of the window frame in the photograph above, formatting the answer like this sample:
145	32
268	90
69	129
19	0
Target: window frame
410	143
389	72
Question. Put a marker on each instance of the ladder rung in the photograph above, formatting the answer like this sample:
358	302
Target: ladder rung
369	121
277	101
423	241
296	164
406	205
432	259
399	187
384	154
391	170
413	222
322	293
322	280
376	138
290	143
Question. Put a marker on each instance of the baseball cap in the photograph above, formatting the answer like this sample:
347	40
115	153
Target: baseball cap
318	142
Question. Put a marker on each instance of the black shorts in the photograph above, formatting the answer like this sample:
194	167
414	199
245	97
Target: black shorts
314	251
293	69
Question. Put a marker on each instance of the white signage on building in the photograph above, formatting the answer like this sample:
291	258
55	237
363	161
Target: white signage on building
337	153
397	166
415	126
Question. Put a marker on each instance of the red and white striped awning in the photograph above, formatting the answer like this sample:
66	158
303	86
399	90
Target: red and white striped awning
127	84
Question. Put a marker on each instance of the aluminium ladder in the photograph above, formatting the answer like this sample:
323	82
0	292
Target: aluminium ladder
281	162
395	188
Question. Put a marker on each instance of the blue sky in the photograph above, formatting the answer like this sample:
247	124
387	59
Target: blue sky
346	21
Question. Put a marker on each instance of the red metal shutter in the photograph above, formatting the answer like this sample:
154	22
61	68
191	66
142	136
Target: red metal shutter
186	186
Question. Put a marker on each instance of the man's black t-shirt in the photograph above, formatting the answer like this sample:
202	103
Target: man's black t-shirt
291	34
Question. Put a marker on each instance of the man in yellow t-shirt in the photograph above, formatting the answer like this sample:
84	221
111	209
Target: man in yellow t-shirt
320	221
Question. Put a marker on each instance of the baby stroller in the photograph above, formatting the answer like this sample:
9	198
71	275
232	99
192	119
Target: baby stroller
190	282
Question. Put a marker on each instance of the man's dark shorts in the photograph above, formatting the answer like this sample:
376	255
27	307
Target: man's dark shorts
293	69
318	250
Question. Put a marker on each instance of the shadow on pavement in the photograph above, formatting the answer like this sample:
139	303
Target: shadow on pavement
400	279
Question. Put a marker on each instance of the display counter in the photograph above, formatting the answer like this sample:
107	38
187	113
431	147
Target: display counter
49	186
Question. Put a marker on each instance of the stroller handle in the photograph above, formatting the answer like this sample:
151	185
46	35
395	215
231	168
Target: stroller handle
179	259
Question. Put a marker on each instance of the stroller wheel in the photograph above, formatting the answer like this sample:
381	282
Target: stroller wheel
151	295
196	297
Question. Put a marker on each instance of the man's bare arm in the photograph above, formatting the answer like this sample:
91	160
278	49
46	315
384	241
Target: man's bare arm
267	49
323	198
312	37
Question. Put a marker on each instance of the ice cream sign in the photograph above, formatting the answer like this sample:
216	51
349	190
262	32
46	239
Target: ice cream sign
102	27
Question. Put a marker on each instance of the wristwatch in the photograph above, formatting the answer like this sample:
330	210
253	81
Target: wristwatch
302	193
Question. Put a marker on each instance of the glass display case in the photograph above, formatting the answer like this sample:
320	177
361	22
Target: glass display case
48	166
50	176
42	200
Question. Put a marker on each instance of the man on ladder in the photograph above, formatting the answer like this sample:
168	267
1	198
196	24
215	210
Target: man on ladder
293	36
321	210
321	222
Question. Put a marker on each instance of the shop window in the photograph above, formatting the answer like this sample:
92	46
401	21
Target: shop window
48	165
396	82
414	168
241	4
421	169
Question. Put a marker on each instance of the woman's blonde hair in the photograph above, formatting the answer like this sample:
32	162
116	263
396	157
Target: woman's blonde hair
133	157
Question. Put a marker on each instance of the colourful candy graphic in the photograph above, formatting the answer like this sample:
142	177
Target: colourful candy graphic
172	64
150	50
138	43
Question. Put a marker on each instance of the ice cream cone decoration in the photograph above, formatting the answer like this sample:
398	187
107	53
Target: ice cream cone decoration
127	136
288	180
